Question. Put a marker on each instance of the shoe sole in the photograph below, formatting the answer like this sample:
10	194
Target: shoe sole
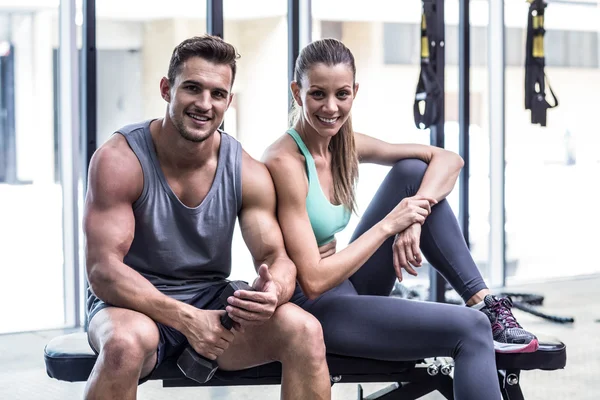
516	348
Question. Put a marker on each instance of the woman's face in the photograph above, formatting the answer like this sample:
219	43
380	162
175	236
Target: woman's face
326	97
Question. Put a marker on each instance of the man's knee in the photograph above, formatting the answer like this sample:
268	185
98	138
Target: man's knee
127	345
301	332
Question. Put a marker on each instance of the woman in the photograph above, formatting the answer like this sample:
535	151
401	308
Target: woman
315	168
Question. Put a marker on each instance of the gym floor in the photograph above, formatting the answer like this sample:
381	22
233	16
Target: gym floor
23	376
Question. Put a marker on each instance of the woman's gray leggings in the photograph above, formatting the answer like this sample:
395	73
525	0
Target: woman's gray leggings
360	319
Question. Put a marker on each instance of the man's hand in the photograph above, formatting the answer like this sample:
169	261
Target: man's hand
328	249
406	251
206	334
252	308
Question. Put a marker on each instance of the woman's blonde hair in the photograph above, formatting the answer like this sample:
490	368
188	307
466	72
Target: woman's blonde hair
344	159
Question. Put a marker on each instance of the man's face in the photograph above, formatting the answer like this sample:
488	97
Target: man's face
199	98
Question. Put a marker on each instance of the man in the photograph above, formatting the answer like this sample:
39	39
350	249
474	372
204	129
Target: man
160	211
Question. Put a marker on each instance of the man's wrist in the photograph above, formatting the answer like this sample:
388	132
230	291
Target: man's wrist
184	317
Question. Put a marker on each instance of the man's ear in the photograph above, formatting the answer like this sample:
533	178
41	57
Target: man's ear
295	89
165	89
355	90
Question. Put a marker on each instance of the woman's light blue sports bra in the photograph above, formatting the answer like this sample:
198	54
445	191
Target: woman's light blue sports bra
326	219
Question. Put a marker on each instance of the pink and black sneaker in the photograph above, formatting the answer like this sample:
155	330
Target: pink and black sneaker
509	336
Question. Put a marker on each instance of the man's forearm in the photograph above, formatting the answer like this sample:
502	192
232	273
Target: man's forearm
283	271
119	285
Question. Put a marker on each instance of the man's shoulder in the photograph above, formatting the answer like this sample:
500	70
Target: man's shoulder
115	164
136	126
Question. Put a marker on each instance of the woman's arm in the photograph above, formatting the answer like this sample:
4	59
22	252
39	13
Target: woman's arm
442	172
316	275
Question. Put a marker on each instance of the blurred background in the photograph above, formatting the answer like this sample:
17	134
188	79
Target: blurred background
551	173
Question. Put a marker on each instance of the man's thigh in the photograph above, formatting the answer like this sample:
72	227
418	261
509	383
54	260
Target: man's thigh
130	333
263	344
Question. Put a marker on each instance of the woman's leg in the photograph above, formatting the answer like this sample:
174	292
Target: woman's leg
443	245
394	329
442	242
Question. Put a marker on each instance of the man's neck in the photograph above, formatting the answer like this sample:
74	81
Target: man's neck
173	151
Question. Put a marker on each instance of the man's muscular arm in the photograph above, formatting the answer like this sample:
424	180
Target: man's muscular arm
260	228
115	182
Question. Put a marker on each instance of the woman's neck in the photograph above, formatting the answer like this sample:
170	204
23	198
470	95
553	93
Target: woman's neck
315	143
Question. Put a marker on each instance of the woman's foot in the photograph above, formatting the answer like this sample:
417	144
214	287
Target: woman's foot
509	336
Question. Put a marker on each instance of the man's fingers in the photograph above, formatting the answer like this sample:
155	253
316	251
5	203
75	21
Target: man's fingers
264	273
257	297
247	305
261	314
246	319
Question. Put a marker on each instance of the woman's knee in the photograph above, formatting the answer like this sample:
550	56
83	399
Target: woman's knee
410	171
477	330
302	333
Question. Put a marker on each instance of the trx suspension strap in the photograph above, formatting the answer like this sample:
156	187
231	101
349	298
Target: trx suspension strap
428	97
535	85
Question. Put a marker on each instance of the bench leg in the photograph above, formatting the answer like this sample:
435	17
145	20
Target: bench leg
510	384
412	390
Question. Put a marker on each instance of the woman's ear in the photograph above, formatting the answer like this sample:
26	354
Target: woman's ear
296	92
355	90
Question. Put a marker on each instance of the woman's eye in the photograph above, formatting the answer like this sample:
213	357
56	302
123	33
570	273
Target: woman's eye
317	93
343	94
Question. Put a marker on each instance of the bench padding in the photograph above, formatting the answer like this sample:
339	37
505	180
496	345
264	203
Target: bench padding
70	358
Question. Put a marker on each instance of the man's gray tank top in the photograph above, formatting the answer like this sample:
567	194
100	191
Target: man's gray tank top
177	248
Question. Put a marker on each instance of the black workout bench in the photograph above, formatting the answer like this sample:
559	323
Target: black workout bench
70	358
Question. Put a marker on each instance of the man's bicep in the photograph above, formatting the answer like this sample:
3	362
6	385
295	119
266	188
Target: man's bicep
108	216
108	230
258	221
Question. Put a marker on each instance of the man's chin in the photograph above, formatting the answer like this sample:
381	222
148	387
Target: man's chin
195	136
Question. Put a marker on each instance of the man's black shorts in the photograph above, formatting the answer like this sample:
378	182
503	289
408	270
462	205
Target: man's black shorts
171	342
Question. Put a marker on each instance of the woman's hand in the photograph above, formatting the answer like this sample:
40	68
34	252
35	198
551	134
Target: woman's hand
409	211
328	249
406	250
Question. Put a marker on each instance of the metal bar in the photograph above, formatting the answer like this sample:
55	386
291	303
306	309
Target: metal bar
214	17
89	98
70	166
497	256
464	117
293	40
437	284
305	21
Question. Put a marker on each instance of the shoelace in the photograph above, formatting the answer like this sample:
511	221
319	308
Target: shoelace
502	308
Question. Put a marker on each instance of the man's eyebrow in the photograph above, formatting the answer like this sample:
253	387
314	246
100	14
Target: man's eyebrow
321	88
194	82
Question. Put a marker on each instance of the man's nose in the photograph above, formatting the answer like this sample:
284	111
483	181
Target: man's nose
203	101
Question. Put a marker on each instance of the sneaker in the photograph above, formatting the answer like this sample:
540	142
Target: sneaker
509	336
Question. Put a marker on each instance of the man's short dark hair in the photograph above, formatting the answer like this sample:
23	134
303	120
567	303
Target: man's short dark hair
208	47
